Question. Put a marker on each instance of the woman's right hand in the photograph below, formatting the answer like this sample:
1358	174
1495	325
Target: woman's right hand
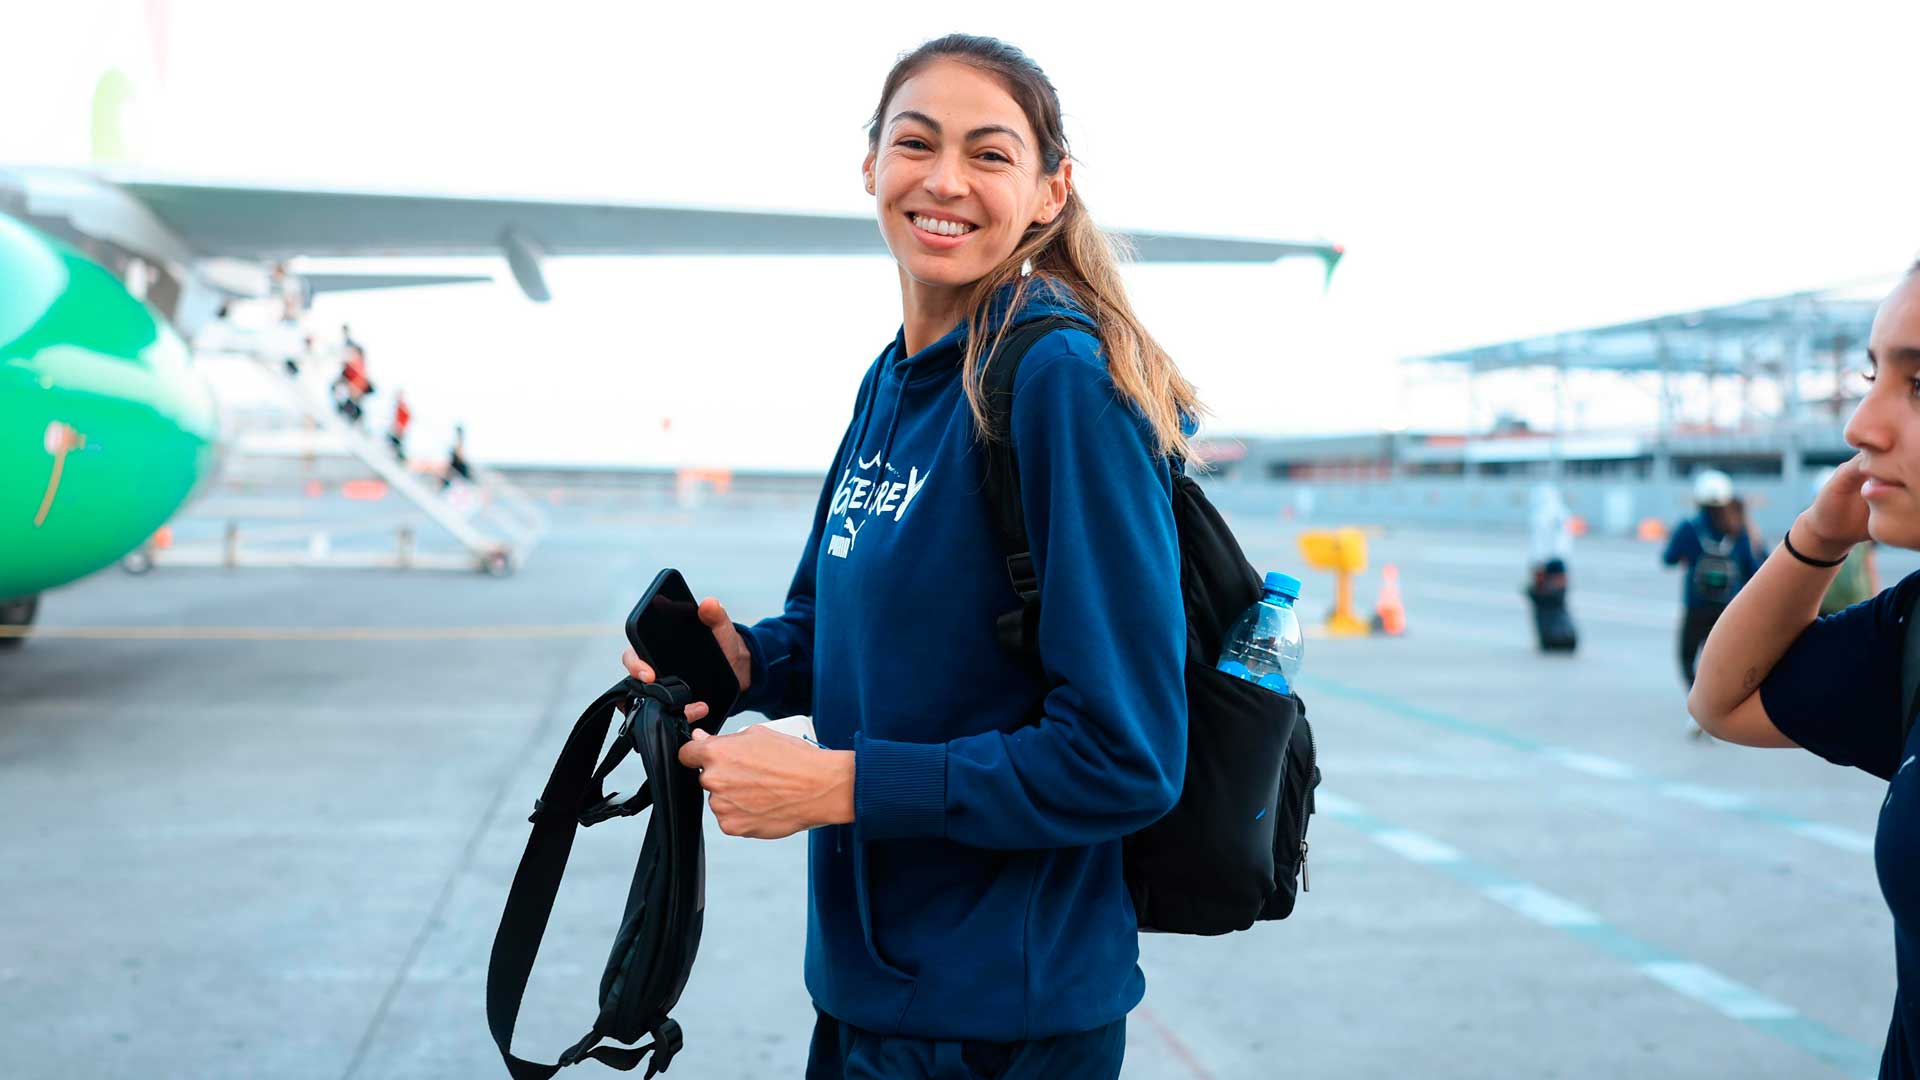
1838	516
714	615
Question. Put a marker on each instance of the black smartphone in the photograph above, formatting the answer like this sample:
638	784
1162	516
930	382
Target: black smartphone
665	629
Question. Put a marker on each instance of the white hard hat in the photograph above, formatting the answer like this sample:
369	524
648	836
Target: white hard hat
1712	488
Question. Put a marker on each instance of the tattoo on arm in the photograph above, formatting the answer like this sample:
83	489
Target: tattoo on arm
1752	679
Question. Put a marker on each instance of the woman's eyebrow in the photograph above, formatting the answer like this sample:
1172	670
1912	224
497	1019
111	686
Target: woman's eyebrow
996	129
1899	354
976	133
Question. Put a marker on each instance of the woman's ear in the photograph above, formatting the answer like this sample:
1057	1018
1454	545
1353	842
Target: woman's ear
866	171
1054	196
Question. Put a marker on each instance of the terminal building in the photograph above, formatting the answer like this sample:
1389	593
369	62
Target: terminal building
1759	389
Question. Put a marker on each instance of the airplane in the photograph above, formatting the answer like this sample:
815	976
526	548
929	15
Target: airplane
107	429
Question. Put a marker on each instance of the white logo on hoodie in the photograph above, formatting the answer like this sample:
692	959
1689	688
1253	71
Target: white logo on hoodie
885	499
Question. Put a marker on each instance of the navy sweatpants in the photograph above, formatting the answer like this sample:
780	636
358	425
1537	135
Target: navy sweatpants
844	1052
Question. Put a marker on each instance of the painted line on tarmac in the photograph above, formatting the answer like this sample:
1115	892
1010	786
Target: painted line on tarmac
311	633
1415	846
1708	798
1845	839
1726	996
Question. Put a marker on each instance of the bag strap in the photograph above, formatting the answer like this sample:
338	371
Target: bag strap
572	799
1721	548
1018	630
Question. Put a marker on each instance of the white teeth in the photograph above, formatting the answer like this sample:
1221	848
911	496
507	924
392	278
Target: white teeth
944	228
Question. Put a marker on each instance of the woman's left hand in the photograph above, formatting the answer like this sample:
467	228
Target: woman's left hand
766	785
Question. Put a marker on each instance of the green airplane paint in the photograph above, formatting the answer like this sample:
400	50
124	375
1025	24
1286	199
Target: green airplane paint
105	426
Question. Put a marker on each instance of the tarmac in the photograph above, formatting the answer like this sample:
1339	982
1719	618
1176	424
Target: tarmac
261	824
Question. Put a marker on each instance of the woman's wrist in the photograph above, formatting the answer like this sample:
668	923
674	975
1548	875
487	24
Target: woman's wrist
1809	545
839	798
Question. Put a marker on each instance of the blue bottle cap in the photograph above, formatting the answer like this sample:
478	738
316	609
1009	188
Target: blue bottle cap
1285	584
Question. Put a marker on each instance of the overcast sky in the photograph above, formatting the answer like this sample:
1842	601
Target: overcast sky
1493	169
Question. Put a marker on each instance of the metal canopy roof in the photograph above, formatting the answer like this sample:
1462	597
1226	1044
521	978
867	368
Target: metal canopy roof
1720	339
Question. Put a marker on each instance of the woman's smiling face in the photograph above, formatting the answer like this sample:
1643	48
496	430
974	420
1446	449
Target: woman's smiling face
958	176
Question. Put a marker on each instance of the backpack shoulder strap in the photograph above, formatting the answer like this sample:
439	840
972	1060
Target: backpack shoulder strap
1018	630
574	797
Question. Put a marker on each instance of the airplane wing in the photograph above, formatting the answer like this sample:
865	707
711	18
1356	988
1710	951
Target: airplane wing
268	224
273	223
327	281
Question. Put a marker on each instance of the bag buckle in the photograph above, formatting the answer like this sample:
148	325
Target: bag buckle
1020	570
611	807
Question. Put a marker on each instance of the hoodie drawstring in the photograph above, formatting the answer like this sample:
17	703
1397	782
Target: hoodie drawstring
893	423
866	417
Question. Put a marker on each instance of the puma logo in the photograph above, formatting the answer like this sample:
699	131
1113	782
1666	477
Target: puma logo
841	546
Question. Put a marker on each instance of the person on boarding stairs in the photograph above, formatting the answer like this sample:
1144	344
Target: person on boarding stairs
1775	674
397	431
966	910
290	291
457	463
351	387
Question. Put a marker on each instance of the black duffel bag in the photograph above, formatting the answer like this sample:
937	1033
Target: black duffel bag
660	929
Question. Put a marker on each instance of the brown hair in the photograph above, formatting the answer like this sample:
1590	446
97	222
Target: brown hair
1069	253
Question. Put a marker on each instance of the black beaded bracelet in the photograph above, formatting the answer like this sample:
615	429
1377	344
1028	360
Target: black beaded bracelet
1823	564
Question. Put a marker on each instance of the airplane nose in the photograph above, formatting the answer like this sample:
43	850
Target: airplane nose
119	428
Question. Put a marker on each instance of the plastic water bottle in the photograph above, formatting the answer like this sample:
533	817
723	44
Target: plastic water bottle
1265	647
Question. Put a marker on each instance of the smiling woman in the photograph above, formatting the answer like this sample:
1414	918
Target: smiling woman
969	914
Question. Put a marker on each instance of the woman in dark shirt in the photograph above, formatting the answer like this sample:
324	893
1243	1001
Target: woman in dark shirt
1773	674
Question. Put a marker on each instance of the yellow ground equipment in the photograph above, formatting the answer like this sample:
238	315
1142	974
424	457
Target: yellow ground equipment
1344	552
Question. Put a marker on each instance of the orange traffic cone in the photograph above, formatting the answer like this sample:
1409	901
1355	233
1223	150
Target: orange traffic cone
1391	613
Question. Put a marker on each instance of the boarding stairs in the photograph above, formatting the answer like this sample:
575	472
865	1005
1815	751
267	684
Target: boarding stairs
496	523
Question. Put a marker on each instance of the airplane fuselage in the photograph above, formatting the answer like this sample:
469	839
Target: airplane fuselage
105	426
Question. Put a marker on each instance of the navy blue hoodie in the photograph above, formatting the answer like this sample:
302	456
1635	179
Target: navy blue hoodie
978	894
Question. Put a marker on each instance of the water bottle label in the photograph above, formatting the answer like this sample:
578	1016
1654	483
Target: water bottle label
1235	668
1275	682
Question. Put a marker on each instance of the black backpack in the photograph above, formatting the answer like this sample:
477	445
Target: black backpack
660	928
1234	848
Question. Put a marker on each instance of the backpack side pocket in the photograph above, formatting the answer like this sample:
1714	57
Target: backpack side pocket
1208	866
1290	820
